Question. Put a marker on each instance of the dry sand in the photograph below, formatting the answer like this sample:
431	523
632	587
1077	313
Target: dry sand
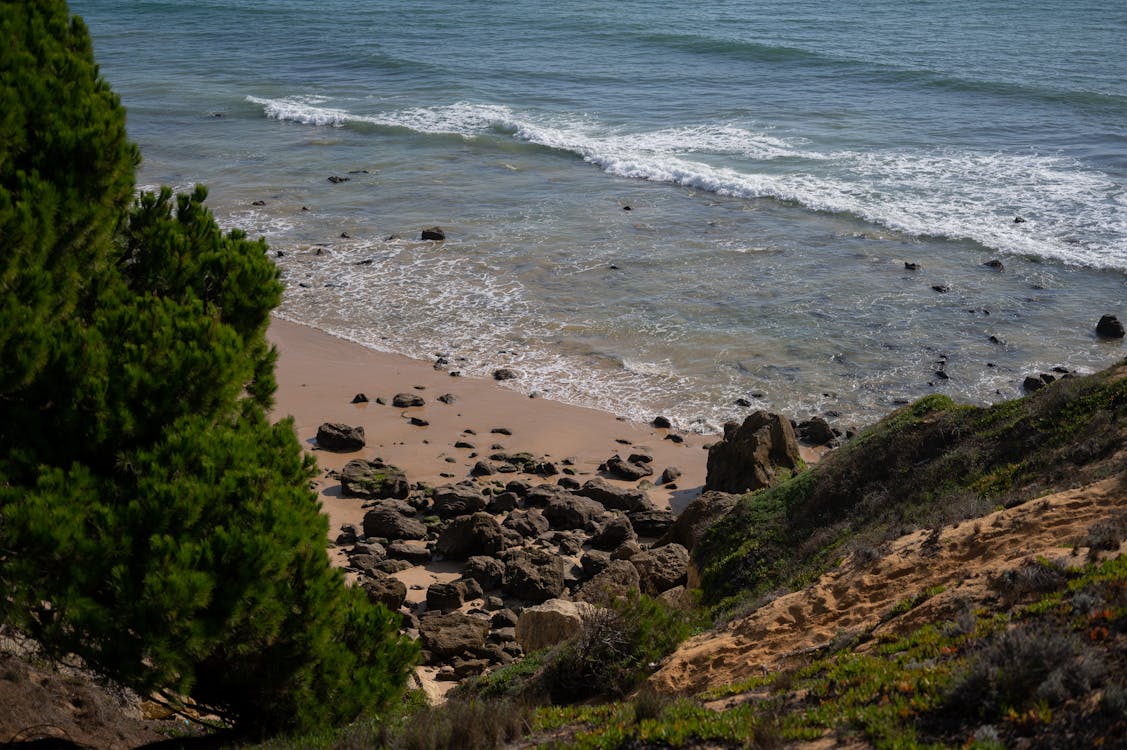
318	375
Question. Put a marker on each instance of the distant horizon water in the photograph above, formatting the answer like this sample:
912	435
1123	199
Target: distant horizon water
663	208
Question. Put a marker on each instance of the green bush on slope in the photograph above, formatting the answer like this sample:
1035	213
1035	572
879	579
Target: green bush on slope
152	521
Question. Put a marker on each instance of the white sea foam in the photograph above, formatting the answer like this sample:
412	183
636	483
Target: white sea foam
1072	214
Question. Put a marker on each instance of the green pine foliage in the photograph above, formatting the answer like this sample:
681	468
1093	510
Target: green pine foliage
152	521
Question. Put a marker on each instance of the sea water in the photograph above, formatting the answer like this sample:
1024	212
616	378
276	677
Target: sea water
681	208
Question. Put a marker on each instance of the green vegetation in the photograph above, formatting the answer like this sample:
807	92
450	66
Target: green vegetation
153	523
925	465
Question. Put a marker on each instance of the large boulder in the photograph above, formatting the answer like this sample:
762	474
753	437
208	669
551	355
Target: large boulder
568	511
614	498
340	438
528	523
630	470
487	571
533	575
618	580
407	400
697	517
384	589
614	533
389	523
651	522
549	623
466	536
372	480
751	455
458	500
446	635
446	596
1110	327
661	568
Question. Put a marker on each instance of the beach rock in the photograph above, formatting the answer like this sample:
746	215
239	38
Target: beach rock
594	562
336	179
751	455
385	589
533	575
674	438
619	579
1110	327
614	533
407	400
359	398
415	554
628	470
614	498
340	438
447	398
627	551
482	469
528	523
464	668
816	431
662	423
433	234
549	623
388	523
518	487
348	535
452	634
445	597
467	536
541	494
504	618
368	564
941	288
503	502
505	373
671	474
458	500
696	519
995	264
373	480
487	571
661	568
566	511
652	522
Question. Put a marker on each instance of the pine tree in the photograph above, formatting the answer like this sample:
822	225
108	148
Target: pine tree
152	521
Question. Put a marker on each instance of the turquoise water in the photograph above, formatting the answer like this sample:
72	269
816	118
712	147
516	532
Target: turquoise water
781	163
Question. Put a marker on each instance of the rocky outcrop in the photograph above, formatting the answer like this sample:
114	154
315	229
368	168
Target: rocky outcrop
372	480
340	438
466	536
751	455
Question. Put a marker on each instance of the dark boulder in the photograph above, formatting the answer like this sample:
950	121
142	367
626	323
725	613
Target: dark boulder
751	455
373	480
407	400
533	575
413	553
651	522
619	579
671	474
528	523
458	500
628	470
573	512
340	438
487	571
359	398
505	373
387	522
662	423
467	536
503	502
661	568
697	518
614	498
817	431
433	234
385	589
1110	327
614	533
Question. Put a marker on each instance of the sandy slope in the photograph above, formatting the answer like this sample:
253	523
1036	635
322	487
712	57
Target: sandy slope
965	558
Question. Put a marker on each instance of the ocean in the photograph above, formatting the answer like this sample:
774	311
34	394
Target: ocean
690	209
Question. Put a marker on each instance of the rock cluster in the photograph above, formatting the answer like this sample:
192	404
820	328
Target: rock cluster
533	559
